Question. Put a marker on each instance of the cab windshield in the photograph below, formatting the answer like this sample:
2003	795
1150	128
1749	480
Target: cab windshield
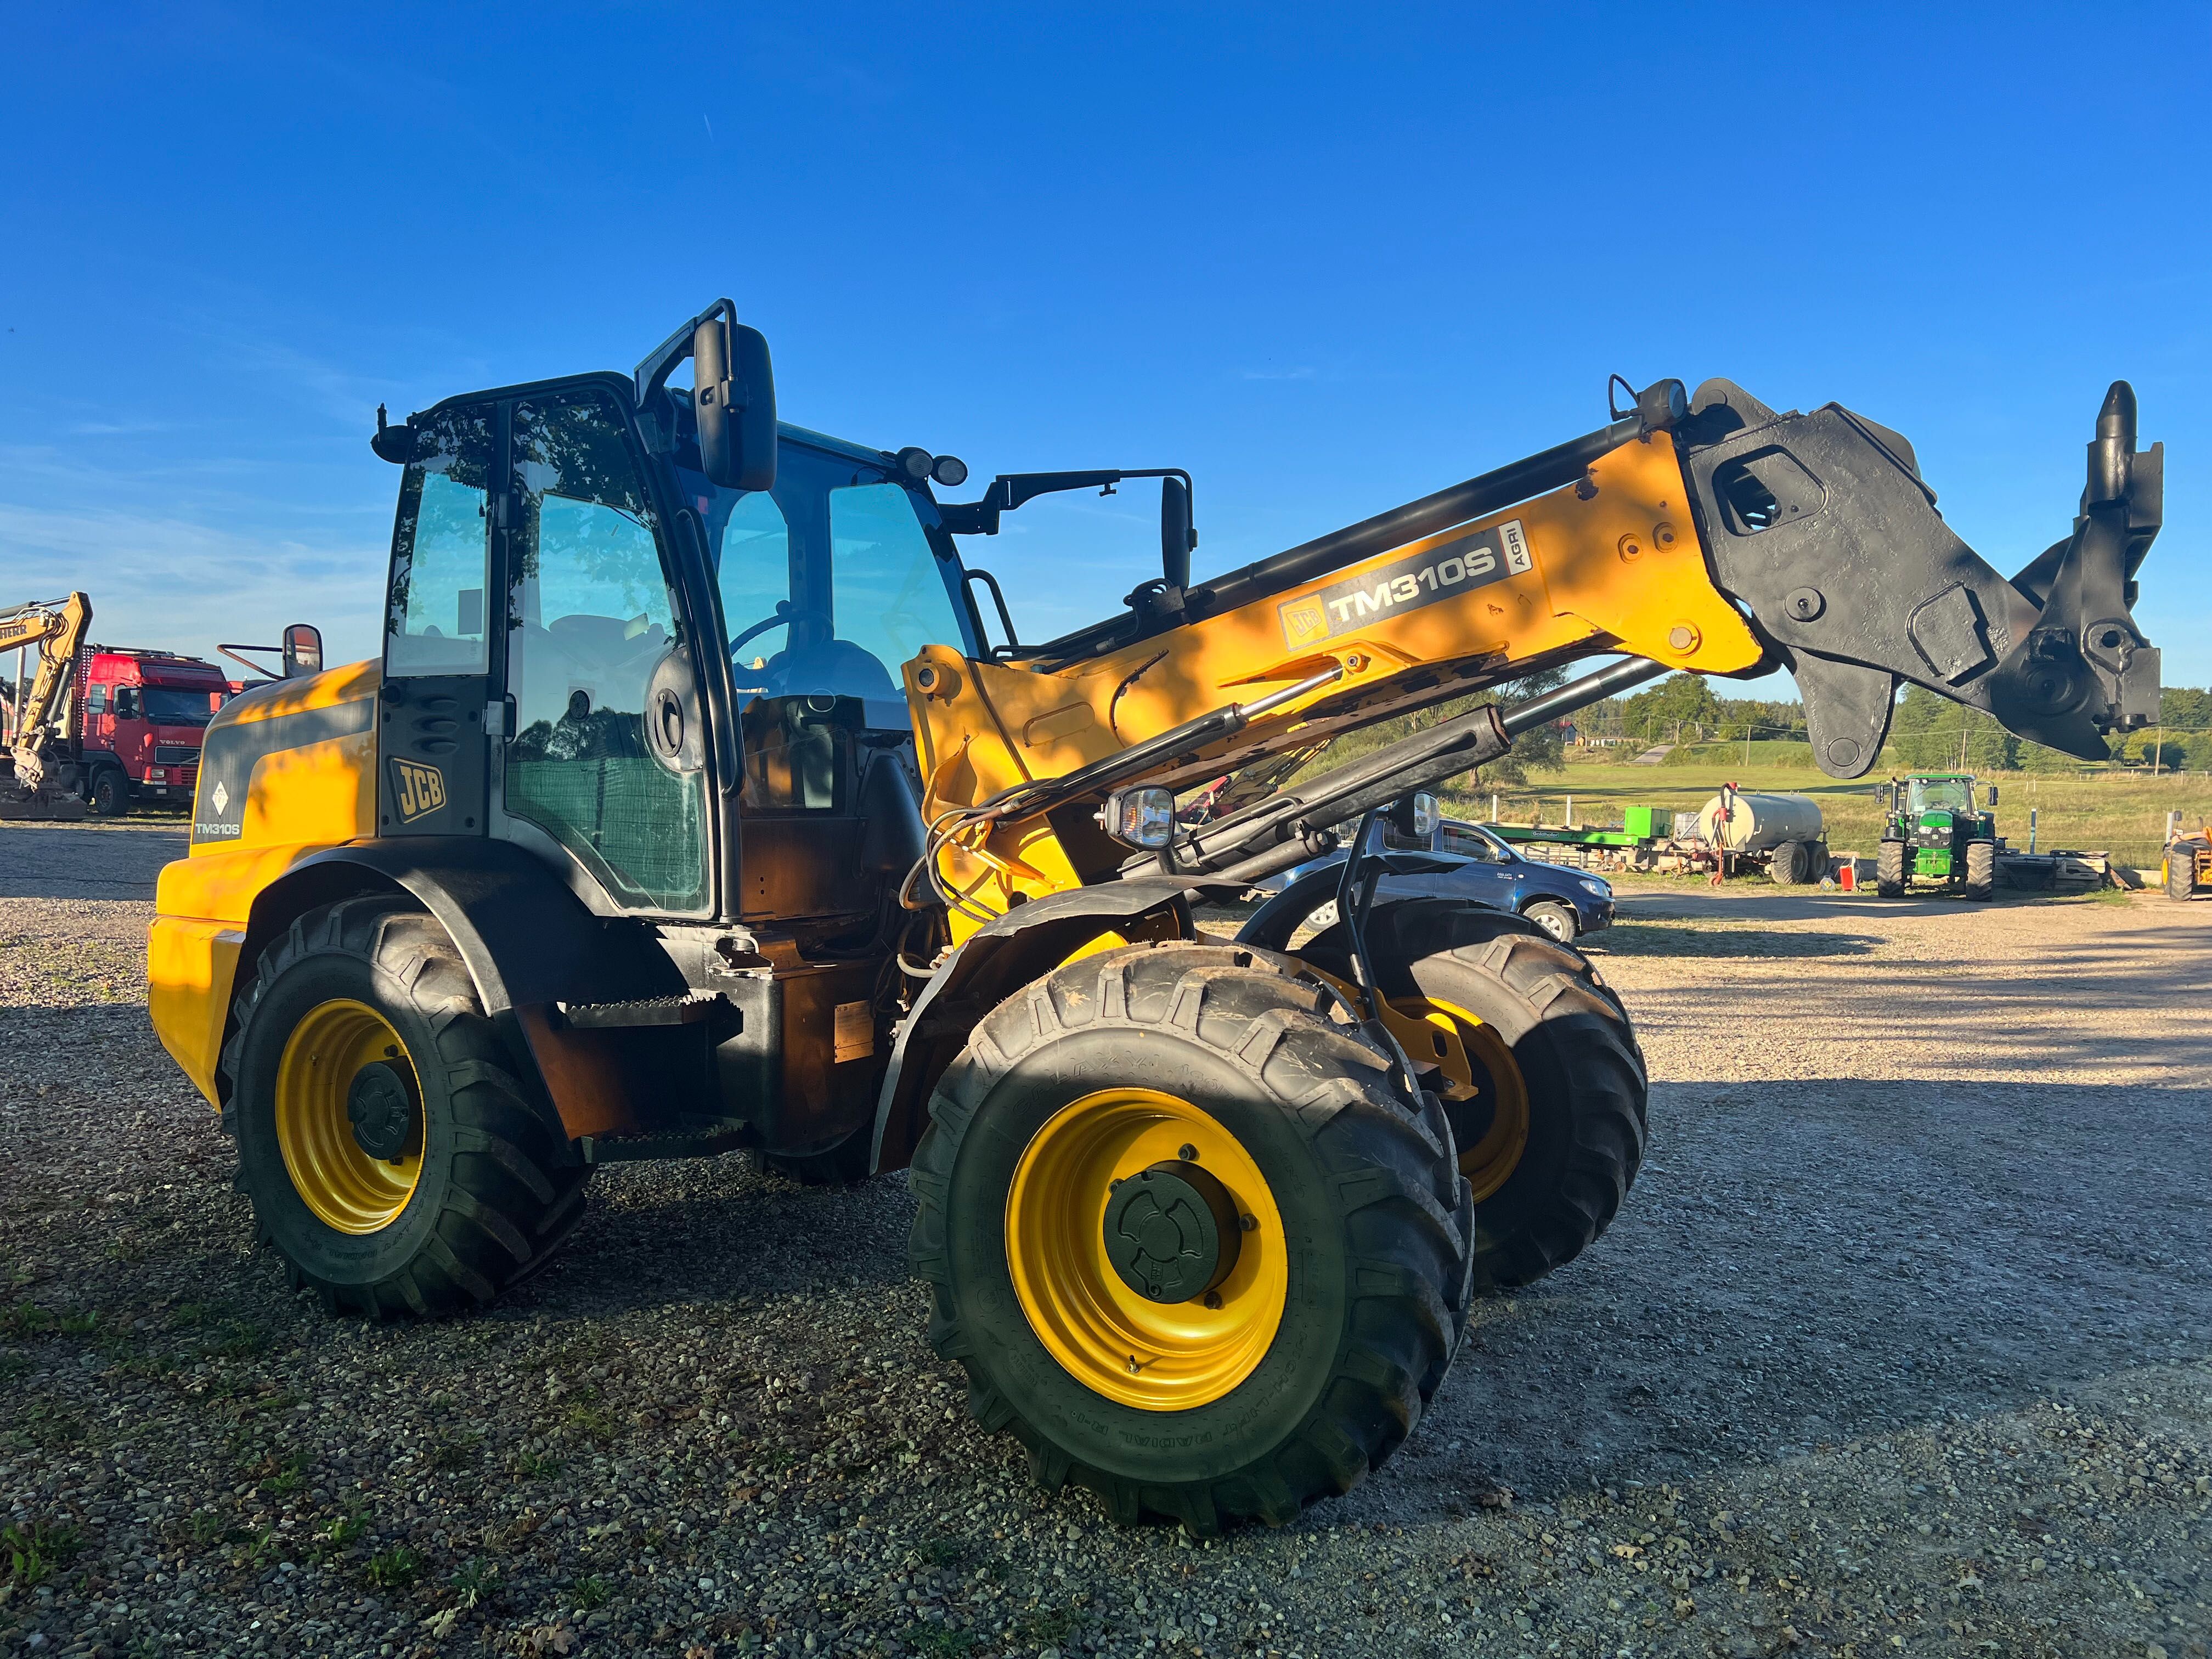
176	705
1940	795
830	583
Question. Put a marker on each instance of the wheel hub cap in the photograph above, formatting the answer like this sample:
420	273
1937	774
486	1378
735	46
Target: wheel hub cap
1171	1232
381	1105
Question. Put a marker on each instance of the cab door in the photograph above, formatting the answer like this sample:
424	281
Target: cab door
606	756
441	657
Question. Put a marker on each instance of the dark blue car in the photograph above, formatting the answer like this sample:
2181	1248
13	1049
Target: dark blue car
1564	902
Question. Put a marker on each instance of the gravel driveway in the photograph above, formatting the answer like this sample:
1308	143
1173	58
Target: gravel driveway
1904	1343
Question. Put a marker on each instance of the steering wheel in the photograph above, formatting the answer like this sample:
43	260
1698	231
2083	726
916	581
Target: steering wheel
786	612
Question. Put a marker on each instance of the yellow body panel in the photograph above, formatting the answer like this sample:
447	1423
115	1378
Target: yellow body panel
1613	565
299	797
191	966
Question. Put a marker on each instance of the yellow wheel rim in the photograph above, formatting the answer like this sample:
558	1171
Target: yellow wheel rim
343	1185
1156	1356
1476	1062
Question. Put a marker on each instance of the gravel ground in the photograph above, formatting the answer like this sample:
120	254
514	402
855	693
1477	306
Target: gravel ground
1903	1343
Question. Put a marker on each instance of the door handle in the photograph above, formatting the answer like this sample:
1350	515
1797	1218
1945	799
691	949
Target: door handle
663	725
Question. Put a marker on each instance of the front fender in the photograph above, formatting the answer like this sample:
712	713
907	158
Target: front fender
991	964
1270	925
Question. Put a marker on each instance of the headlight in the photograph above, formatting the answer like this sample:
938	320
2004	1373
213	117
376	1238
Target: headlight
1597	889
1139	817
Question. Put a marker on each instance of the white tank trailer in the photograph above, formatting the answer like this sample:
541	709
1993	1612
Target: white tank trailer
1743	821
1784	832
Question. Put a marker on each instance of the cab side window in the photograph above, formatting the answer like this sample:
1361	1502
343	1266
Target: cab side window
1469	845
441	550
95	700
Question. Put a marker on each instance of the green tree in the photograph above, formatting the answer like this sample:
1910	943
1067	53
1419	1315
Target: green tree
1929	733
1680	701
2185	708
1541	750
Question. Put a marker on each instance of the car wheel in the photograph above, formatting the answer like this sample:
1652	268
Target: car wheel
1555	919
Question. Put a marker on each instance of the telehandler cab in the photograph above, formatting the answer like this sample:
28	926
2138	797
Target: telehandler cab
691	804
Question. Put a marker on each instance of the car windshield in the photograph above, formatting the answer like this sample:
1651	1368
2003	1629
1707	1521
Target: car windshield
829	582
177	705
1941	795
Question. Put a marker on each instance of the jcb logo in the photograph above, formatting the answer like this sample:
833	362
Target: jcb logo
417	789
1303	620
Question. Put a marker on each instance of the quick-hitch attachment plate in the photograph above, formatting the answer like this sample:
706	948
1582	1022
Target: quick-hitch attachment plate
1821	526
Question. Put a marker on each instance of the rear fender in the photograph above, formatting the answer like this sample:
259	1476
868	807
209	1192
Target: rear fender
527	942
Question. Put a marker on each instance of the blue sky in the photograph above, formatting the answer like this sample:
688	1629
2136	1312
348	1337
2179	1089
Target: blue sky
1328	258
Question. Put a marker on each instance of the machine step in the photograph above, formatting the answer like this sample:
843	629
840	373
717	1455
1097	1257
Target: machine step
689	1009
678	1138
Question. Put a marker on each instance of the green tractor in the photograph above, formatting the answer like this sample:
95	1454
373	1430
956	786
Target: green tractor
1935	832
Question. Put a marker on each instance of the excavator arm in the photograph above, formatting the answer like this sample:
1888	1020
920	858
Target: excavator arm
56	628
1704	533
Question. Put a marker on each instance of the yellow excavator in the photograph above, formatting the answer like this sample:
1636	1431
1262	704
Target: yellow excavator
703	795
38	774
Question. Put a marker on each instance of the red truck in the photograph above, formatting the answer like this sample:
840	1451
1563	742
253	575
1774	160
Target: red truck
142	715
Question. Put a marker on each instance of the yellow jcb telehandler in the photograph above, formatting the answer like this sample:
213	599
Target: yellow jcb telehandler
703	796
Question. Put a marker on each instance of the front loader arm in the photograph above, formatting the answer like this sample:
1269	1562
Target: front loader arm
1710	535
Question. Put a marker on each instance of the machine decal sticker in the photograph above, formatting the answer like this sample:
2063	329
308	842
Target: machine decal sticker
1441	572
417	790
231	751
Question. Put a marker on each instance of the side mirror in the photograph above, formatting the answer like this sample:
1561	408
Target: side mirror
1885	795
395	444
1993	794
1177	536
302	650
733	395
1414	817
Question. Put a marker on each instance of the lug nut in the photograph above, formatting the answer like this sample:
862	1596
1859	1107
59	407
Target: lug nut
1186	1152
1247	1223
1213	1299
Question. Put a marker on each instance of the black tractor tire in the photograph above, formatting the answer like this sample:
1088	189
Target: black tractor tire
497	1190
1889	869
842	1164
1787	863
1586	1089
1981	869
1557	920
2181	872
110	796
1817	871
1366	1183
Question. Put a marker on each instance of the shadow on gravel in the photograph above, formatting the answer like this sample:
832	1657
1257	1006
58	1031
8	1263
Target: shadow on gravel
1672	939
720	1230
1805	1263
72	861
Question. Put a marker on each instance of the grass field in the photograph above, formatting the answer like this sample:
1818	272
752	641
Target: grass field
2123	815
